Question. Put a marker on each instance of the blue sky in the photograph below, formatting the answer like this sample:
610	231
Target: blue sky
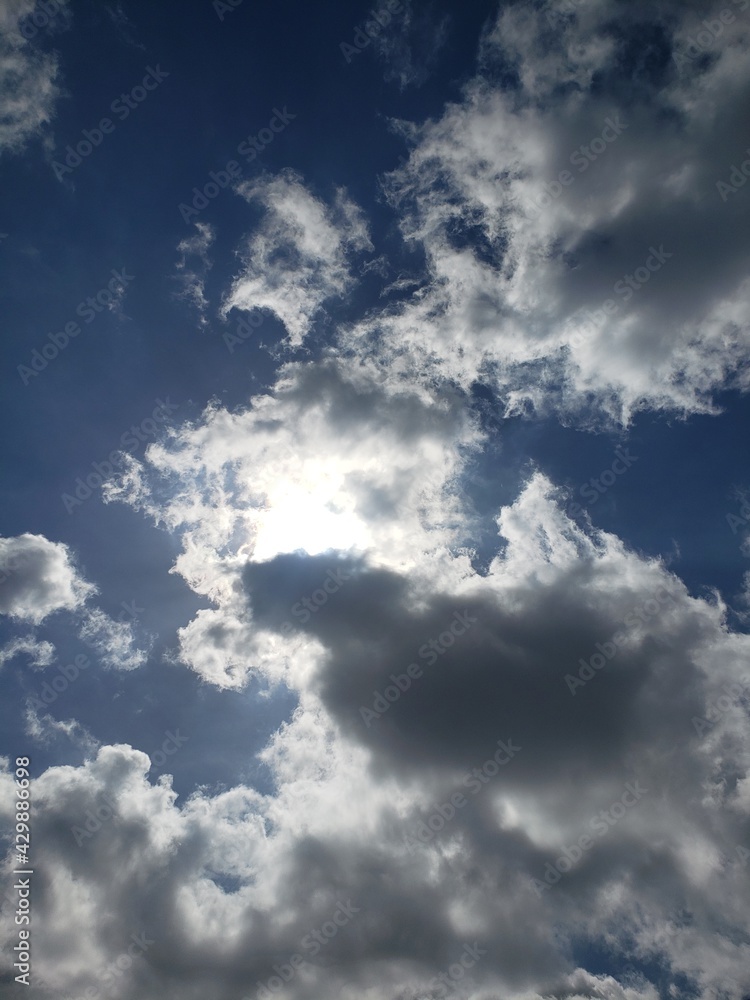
375	392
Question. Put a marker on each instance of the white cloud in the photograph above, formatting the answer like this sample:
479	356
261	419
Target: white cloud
509	284
350	472
370	461
114	642
349	794
241	879
193	267
44	729
412	44
40	654
300	254
40	579
28	77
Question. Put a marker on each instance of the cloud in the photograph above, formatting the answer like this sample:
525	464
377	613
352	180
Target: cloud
28	77
40	654
540	206
114	642
540	761
411	47
44	730
300	254
370	460
338	615
40	578
123	25
192	276
234	883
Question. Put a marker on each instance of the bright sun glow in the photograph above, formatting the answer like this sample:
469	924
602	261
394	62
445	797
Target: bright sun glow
301	520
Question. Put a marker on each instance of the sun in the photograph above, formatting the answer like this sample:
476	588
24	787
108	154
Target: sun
300	519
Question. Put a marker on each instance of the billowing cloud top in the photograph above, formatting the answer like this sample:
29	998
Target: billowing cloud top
564	217
38	578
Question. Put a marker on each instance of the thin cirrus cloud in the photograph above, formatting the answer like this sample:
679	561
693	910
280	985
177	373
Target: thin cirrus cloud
192	269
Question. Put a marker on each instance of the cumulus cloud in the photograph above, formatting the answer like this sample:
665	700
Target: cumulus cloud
565	217
28	77
497	772
591	662
300	255
369	460
232	884
39	579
